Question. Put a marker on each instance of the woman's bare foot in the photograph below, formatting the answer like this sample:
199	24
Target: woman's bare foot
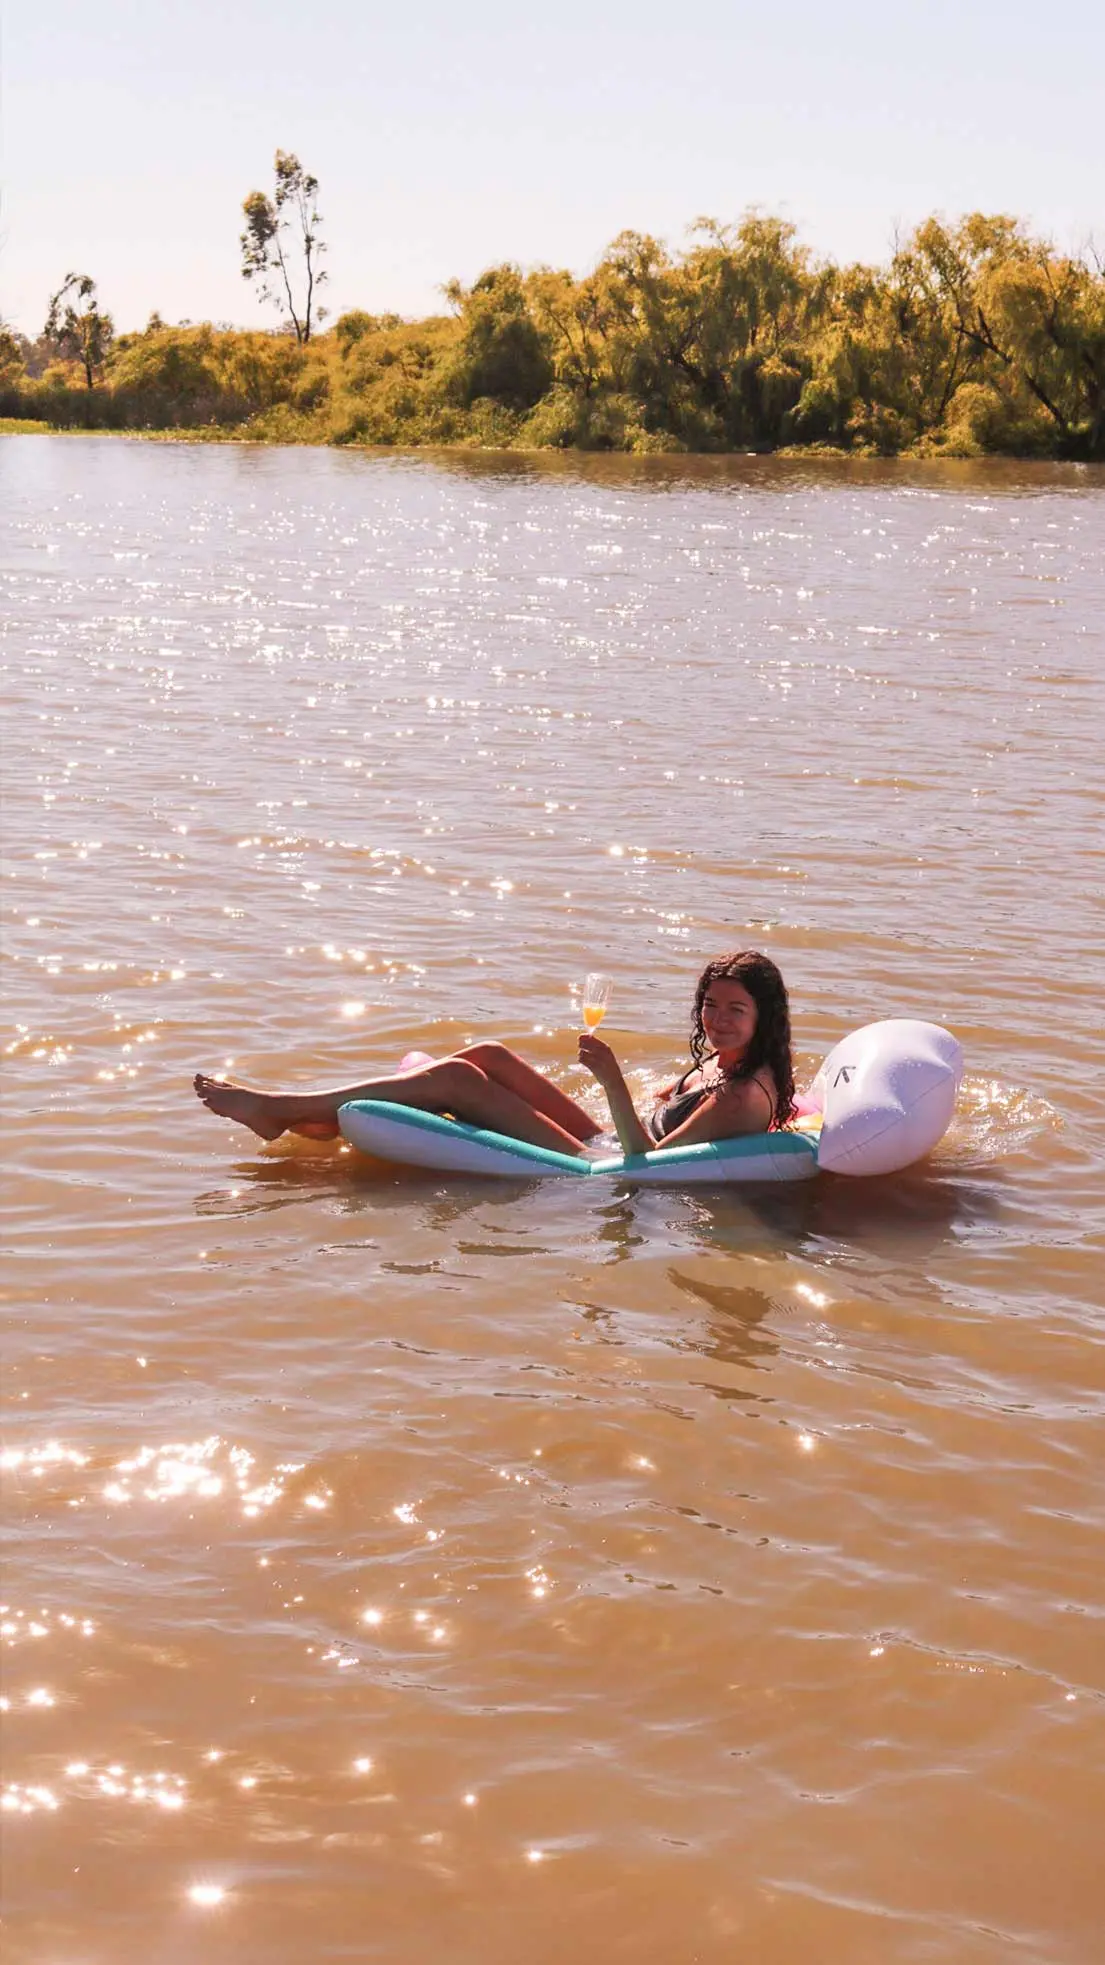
265	1113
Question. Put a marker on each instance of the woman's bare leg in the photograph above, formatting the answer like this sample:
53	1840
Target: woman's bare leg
506	1068
454	1085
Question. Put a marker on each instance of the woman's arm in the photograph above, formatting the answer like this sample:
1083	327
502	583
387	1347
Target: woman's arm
602	1063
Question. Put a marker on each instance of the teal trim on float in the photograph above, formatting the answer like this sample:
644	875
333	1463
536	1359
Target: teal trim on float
365	1116
722	1153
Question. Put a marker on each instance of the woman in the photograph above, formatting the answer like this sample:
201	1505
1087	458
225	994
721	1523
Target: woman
741	1080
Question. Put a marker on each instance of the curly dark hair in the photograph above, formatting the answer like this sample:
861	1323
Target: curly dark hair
770	1043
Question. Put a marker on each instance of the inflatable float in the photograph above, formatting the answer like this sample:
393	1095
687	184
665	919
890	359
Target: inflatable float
881	1100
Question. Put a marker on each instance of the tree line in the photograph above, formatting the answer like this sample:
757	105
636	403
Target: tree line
975	338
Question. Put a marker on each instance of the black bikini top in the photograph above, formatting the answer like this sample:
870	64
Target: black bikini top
672	1112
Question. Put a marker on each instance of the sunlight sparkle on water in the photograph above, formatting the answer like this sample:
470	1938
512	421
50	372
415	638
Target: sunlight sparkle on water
207	1894
25	1801
51	1455
184	1471
114	1783
816	1297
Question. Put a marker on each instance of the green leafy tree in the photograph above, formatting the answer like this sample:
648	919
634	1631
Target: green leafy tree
1035	324
565	311
282	245
710	344
77	329
502	353
13	355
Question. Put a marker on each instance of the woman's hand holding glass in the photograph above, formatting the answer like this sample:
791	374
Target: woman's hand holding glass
596	1055
599	1060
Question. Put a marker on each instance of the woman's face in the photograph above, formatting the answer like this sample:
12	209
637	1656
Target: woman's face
728	1015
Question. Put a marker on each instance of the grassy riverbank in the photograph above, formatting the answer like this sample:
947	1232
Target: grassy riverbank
976	339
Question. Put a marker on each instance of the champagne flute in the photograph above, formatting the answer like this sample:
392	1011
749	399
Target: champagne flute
596	999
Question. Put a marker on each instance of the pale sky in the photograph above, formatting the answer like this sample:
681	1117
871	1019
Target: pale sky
449	137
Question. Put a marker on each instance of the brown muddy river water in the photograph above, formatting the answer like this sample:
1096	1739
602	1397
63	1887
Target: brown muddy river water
403	1568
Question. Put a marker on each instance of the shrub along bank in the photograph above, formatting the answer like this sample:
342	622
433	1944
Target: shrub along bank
975	339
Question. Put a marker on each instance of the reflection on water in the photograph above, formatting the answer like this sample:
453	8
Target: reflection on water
733	1339
407	1563
994	476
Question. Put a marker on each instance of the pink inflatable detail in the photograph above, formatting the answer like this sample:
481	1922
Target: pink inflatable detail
806	1104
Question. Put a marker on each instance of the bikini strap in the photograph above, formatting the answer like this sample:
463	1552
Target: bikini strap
761	1087
758	1082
